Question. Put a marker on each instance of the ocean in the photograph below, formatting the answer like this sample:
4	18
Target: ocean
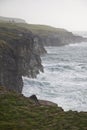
64	80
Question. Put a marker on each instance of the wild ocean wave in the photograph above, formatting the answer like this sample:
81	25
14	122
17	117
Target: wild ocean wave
64	80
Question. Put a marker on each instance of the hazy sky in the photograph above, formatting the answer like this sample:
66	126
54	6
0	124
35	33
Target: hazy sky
68	14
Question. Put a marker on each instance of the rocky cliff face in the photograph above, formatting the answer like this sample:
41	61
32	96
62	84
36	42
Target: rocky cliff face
61	38
22	56
9	75
28	58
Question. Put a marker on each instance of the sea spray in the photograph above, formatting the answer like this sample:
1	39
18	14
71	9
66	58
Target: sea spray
64	80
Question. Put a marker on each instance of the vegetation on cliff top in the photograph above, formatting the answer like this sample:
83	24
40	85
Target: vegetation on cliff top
35	28
20	113
43	30
50	36
10	31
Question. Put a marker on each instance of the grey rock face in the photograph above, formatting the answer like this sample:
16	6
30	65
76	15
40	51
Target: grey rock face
38	46
28	55
9	76
61	39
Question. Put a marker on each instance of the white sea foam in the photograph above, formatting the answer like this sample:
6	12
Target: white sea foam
82	44
64	80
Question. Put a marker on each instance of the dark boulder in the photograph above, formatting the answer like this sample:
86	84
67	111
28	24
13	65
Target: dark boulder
34	98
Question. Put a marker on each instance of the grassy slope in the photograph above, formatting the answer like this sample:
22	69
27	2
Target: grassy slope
41	27
42	30
7	30
20	113
35	28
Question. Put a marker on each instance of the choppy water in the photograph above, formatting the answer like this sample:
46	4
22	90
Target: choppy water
64	80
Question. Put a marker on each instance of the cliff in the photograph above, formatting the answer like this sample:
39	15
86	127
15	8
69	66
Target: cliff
48	35
9	75
22	56
51	36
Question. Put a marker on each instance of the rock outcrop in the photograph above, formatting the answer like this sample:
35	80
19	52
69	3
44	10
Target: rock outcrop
22	56
41	102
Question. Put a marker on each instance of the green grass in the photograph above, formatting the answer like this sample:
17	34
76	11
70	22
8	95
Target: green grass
42	30
40	27
10	31
20	113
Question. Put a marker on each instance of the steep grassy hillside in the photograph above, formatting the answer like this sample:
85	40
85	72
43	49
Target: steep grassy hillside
49	36
8	30
52	36
20	113
42	29
14	31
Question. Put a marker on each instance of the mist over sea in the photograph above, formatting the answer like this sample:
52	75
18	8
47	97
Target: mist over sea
64	80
